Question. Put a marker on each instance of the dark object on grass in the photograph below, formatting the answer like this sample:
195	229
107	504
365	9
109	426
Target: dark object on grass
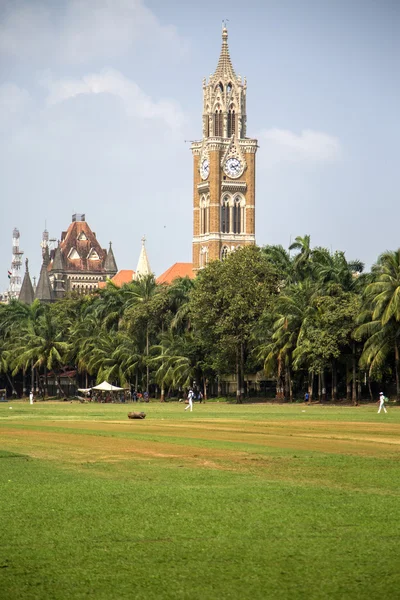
136	415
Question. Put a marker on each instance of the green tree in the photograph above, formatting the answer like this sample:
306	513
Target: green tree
228	299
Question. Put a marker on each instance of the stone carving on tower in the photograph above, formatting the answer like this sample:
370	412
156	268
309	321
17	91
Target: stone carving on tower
224	167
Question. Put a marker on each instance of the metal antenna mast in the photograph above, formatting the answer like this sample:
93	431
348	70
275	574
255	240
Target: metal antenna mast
16	263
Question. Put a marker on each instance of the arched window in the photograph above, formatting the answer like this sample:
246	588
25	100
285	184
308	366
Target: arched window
224	252
237	215
229	88
204	214
207	121
218	123
225	215
231	122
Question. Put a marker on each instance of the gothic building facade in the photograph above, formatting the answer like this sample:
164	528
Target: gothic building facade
224	168
78	265
79	262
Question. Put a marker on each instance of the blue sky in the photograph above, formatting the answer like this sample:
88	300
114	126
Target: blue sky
97	99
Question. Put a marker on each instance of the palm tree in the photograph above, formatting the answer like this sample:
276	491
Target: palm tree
301	264
138	311
179	296
172	358
15	317
380	321
280	258
292	313
40	344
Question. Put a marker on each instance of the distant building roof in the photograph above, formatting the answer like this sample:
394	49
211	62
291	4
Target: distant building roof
177	270
123	276
79	250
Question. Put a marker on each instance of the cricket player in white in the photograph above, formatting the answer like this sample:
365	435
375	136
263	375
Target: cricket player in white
190	398
381	403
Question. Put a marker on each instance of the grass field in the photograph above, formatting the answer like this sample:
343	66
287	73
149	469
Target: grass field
228	502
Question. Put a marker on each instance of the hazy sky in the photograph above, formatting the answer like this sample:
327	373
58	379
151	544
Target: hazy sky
97	98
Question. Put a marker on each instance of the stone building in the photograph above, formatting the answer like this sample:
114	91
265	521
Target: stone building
224	168
79	263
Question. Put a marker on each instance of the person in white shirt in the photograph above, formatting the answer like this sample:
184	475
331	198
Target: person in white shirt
190	399
31	397
382	400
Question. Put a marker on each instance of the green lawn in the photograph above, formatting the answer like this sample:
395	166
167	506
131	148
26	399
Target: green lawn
228	502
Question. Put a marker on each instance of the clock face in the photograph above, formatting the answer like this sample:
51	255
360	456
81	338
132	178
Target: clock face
205	169
233	167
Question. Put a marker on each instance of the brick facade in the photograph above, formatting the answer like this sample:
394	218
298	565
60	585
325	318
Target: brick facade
223	168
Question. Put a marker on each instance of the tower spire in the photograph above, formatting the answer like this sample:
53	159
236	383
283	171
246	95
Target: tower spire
224	67
143	267
26	294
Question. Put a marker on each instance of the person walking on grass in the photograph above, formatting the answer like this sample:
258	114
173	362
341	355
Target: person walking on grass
382	401
190	399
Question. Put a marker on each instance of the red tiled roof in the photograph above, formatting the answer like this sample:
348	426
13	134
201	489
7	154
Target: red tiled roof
123	276
71	244
177	270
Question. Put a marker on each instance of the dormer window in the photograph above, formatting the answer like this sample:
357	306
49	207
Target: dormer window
82	237
93	255
73	254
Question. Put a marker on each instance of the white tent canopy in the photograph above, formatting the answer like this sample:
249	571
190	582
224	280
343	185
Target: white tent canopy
107	387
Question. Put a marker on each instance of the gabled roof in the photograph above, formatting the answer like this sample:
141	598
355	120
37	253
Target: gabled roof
26	294
124	276
177	270
77	244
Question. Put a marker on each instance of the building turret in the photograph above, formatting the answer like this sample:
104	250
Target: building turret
44	291
143	267
57	274
26	295
110	265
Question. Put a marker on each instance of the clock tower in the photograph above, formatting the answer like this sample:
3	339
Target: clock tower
224	168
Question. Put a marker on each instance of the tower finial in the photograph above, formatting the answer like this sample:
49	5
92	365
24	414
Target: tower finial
143	239
224	68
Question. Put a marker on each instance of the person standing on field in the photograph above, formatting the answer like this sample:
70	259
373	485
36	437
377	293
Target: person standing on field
31	397
382	400
190	399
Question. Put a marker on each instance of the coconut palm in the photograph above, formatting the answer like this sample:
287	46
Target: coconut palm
380	321
301	263
138	312
41	344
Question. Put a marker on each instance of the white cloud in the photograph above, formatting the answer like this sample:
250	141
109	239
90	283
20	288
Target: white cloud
136	103
82	31
282	145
